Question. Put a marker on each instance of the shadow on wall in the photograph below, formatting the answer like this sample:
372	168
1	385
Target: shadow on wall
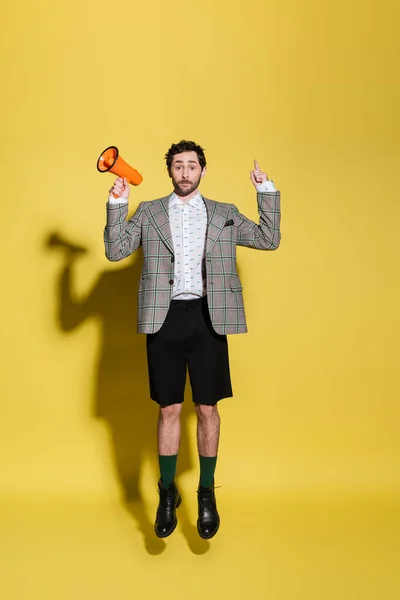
121	388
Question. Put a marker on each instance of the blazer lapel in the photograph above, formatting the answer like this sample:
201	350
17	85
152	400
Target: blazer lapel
216	219
159	214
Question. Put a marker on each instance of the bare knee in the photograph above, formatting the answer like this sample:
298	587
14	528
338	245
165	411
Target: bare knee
170	413
206	412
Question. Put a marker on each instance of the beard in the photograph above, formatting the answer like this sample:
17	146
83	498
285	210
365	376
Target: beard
187	189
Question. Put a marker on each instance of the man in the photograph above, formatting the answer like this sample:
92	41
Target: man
190	298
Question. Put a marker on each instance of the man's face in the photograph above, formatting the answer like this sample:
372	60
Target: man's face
186	173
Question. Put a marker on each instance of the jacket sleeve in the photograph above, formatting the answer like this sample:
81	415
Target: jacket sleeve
266	235
122	237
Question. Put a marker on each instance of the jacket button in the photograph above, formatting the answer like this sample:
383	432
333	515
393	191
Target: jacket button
172	258
171	281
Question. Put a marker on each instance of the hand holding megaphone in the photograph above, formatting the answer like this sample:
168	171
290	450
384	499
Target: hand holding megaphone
120	189
110	161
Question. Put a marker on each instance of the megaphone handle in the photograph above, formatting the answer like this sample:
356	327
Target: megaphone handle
115	195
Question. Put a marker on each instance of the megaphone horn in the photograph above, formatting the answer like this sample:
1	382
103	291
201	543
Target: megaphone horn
111	162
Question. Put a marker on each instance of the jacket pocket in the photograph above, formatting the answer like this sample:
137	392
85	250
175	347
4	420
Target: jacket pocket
235	284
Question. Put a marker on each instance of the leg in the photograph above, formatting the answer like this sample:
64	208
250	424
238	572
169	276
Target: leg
167	373
169	429
169	432
208	363
208	428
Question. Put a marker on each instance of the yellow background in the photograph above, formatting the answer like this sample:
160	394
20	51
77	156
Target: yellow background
309	455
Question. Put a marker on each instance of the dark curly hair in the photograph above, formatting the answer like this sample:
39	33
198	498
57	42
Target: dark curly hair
185	146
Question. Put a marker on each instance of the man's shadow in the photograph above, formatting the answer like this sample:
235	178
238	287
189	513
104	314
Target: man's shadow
121	388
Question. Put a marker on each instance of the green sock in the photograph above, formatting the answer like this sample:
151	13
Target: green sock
207	470
167	468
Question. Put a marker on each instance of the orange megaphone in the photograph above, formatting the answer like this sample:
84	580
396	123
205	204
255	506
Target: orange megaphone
111	162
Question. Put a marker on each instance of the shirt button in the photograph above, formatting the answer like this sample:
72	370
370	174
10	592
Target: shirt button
171	281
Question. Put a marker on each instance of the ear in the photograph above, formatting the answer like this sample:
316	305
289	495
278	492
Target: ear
169	172
204	171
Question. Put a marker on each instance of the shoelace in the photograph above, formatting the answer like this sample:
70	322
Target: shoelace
209	490
206	495
167	497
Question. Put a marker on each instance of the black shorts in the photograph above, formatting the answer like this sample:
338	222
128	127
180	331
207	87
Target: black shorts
187	340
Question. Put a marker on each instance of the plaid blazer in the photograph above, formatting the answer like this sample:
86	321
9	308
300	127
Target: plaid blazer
226	228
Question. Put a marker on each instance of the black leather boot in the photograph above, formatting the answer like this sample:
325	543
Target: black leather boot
166	520
208	521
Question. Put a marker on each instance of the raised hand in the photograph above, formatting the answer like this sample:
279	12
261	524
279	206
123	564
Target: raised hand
120	188
257	176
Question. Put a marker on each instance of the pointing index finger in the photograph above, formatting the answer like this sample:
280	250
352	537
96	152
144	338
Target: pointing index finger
257	168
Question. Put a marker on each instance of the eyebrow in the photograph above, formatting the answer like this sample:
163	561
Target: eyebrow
190	161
